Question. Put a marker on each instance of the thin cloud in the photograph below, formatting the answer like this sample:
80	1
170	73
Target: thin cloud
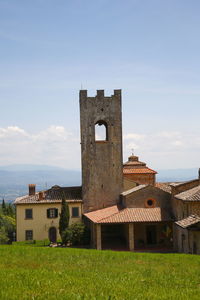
134	136
53	146
165	149
56	145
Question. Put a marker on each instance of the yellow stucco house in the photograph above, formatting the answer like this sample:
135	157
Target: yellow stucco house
37	214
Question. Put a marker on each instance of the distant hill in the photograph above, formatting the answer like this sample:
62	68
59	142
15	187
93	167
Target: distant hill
177	174
14	179
28	167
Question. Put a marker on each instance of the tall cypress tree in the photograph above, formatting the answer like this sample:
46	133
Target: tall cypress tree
4	210
64	217
10	211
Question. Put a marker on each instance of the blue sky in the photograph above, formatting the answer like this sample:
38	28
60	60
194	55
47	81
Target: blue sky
149	49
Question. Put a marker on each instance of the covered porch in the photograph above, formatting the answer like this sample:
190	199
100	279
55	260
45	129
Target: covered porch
133	229
153	237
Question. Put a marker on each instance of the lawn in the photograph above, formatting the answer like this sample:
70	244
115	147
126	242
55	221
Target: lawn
28	272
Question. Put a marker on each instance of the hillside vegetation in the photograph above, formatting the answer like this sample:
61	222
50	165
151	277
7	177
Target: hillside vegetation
29	272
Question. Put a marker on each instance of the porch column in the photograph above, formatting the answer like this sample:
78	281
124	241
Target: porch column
98	236
93	235
131	236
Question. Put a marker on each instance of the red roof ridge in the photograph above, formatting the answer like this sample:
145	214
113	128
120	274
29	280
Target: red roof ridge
152	170
138	170
129	214
120	210
102	210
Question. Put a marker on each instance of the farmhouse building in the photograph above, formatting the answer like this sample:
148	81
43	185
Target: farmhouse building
37	214
123	205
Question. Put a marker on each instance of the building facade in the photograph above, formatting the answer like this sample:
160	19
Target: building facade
123	205
37	214
186	208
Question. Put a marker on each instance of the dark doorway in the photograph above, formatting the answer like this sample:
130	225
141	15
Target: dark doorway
151	235
113	237
52	235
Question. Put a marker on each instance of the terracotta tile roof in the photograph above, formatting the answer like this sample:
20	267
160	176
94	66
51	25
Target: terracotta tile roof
190	195
193	181
138	171
165	186
134	163
97	215
53	195
115	214
189	221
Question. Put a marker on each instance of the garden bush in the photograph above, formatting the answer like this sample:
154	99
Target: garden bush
76	234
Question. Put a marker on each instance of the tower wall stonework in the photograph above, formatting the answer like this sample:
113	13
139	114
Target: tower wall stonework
102	180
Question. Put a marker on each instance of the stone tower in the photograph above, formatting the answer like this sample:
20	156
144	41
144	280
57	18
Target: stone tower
101	155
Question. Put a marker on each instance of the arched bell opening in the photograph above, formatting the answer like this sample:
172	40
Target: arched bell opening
101	131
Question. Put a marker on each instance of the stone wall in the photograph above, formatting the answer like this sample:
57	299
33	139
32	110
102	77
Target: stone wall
138	198
176	189
178	209
187	240
182	209
142	178
193	208
128	184
102	180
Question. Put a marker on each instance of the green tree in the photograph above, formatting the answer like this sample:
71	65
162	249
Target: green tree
7	227
4	210
10	211
64	217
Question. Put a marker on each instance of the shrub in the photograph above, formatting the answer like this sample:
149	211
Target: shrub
3	236
76	234
7	227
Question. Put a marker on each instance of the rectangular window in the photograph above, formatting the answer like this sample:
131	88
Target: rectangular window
52	213
75	212
29	235
29	213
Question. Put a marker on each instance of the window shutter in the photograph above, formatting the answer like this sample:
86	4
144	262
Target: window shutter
56	212
48	213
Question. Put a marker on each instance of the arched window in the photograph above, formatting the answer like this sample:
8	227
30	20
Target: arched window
101	131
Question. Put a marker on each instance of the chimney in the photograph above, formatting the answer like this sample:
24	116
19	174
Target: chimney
41	196
31	188
199	174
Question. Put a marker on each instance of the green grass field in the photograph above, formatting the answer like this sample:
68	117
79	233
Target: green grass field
28	272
